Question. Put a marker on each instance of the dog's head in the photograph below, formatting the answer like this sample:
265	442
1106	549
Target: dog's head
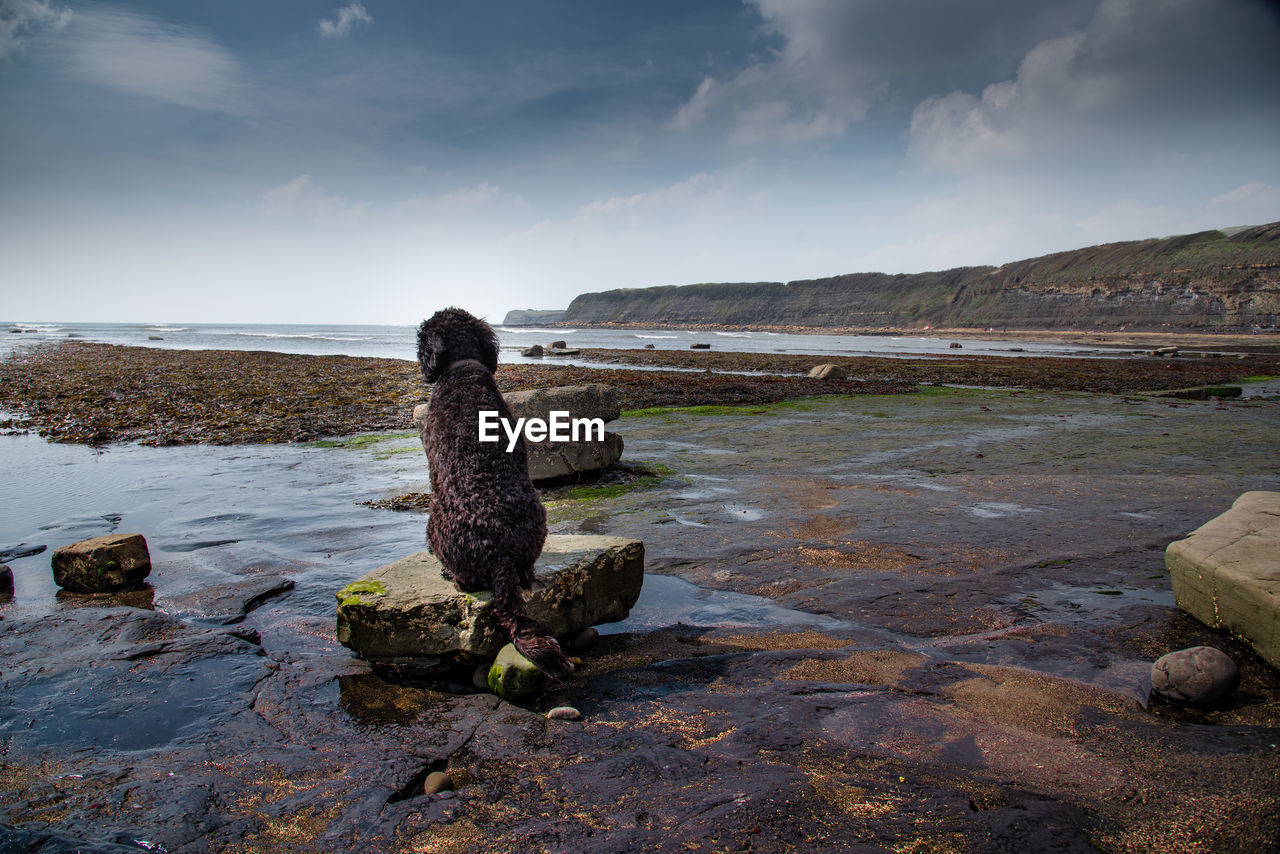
452	334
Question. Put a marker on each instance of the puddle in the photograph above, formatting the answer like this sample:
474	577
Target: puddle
1096	603
743	512
704	494
1001	509
118	705
666	600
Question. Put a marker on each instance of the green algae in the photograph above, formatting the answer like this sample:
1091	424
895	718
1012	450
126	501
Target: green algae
352	593
362	440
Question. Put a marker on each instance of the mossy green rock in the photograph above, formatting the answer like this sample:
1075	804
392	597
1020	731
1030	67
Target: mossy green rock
514	677
409	610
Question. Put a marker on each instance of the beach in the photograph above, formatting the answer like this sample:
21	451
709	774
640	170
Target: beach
879	614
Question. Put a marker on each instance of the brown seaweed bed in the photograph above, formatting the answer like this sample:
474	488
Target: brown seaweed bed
100	393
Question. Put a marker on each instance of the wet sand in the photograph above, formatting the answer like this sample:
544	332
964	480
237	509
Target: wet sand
984	571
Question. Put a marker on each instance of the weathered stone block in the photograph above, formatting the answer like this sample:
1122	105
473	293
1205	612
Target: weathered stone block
547	459
100	564
1226	573
409	610
593	400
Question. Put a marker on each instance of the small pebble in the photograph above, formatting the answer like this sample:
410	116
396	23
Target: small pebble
437	781
585	639
563	713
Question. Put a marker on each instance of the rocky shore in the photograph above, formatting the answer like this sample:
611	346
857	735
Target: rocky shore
900	622
99	393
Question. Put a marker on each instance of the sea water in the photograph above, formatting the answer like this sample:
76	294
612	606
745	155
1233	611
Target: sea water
400	342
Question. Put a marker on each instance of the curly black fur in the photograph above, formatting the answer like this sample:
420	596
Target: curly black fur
487	522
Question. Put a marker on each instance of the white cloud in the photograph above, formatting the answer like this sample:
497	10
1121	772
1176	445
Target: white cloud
148	58
303	197
17	16
1244	191
462	199
698	190
344	20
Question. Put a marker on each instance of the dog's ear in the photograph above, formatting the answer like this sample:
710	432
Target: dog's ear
430	352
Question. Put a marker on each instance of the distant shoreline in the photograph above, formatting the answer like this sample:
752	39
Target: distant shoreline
1253	342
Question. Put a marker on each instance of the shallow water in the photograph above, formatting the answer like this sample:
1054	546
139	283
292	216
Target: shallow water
215	514
399	342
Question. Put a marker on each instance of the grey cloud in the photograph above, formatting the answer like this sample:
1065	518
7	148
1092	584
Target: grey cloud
19	16
1140	70
833	60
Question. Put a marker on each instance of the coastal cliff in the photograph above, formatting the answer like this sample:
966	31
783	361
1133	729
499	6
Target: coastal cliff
1209	281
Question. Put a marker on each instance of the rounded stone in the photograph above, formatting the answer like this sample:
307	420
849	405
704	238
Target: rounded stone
563	713
1199	676
514	677
6	577
480	679
437	781
585	639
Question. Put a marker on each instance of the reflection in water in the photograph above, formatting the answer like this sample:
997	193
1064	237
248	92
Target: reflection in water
371	701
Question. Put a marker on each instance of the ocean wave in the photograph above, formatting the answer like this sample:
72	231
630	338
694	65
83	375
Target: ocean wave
36	327
734	334
301	335
650	336
521	330
159	327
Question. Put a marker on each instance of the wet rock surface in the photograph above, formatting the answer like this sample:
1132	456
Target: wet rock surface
983	583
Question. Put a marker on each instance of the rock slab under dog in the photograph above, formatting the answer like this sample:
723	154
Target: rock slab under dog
1226	573
409	610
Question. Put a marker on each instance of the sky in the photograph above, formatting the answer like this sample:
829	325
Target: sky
373	161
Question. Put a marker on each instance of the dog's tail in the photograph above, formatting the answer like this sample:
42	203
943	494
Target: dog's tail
530	637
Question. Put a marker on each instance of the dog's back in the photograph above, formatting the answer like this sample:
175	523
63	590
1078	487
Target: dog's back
486	512
487	522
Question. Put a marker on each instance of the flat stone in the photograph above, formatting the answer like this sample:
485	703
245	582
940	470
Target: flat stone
827	371
229	603
549	460
408	609
102	564
1203	392
1226	573
592	400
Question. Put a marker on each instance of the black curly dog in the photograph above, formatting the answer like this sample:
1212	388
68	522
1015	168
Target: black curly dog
487	522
